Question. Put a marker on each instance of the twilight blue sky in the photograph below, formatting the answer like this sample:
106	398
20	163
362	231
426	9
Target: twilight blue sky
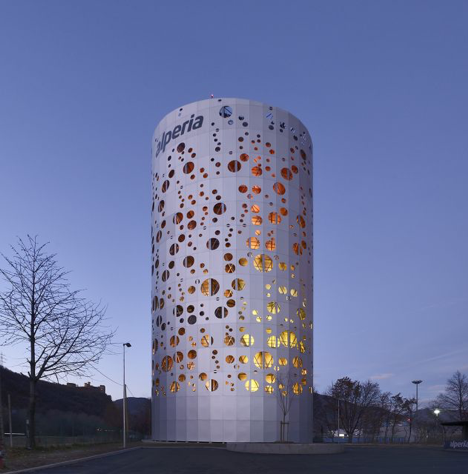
382	87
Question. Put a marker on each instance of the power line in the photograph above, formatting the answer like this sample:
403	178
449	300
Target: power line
131	393
104	375
108	378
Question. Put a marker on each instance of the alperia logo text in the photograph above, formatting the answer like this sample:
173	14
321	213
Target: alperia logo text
192	124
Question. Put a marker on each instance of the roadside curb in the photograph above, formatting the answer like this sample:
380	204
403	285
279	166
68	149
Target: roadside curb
74	461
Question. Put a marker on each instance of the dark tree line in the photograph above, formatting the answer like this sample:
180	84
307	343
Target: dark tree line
362	409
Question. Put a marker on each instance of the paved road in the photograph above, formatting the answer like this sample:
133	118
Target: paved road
356	460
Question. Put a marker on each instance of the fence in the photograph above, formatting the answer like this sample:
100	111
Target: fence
53	441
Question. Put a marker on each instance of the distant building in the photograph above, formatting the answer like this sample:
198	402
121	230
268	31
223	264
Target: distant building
101	388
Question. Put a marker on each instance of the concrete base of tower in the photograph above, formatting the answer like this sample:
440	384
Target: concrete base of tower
286	448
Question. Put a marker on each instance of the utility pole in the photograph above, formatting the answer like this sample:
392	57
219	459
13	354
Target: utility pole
124	399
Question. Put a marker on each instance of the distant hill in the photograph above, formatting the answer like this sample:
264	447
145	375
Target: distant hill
135	405
53	396
139	413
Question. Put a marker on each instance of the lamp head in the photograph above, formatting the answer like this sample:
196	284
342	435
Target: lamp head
127	344
417	382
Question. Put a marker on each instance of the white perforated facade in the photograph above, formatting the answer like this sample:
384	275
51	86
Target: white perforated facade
232	273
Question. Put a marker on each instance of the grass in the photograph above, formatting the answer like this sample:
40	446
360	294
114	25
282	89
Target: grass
22	458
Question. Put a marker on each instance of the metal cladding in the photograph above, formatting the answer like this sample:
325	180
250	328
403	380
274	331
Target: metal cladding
232	274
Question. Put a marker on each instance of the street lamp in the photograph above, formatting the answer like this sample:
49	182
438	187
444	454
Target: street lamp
124	400
437	413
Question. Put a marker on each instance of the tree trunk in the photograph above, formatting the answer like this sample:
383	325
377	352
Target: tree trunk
283	429
32	415
392	440
2	431
32	374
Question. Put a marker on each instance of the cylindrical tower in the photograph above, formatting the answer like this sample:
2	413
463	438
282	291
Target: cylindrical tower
232	274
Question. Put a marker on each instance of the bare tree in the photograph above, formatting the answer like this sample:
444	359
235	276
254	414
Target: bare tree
63	332
376	416
455	396
385	403
355	399
285	396
396	410
409	410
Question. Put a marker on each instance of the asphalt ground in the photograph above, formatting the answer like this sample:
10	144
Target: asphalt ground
204	460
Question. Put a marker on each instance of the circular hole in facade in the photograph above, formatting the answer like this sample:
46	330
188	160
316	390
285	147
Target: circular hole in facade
234	166
253	243
286	173
221	312
247	340
225	111
230	268
238	284
279	188
209	287
212	244
177	219
192	319
251	385
192	354
211	385
219	208
257	171
274	218
165	186
167	363
188	167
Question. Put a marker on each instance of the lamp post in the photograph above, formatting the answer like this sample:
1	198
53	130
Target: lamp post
124	400
416	382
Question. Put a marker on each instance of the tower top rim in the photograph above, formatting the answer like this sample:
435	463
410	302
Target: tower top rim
203	104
